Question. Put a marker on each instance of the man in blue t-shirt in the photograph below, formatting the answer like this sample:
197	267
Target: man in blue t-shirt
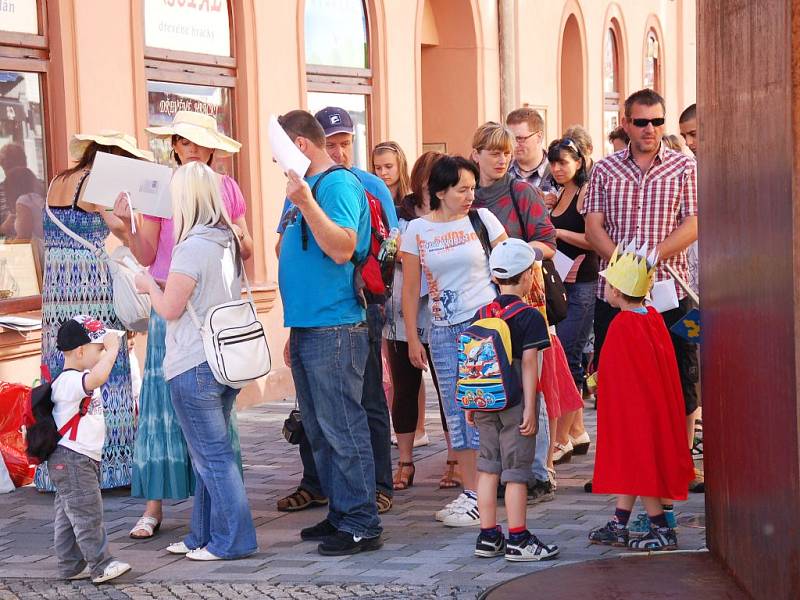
329	340
338	127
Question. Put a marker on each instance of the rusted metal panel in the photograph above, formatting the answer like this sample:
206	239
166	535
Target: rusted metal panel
750	267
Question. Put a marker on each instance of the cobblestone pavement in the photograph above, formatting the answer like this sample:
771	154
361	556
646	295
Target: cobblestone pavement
420	558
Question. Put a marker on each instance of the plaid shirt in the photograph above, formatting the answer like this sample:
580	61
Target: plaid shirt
646	207
540	178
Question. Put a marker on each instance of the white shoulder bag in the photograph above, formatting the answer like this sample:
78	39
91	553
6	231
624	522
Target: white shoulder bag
131	307
234	340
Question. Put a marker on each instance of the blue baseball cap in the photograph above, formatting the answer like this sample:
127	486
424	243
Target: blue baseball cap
335	120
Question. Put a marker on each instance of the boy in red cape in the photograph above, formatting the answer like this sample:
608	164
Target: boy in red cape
641	428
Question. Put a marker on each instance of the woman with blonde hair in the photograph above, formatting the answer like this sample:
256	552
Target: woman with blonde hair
161	466
390	164
76	281
205	271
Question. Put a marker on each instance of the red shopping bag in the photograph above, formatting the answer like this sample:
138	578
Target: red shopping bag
13	400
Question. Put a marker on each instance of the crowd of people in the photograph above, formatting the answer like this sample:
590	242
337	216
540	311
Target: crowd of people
461	242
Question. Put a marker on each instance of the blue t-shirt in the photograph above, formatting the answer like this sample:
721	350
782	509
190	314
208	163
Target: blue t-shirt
316	292
374	185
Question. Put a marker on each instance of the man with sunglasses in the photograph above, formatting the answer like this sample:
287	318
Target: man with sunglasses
646	193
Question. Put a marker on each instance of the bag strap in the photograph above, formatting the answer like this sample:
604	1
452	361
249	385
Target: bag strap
303	226
71	426
100	253
513	309
190	309
514	204
480	228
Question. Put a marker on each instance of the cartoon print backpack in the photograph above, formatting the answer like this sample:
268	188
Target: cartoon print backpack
487	380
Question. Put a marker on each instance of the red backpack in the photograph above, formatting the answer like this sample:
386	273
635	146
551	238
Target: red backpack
372	273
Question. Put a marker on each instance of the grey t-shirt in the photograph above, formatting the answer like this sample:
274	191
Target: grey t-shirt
208	256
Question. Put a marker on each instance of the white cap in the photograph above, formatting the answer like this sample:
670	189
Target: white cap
511	257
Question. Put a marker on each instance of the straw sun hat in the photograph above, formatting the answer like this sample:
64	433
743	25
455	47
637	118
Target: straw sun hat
200	129
107	137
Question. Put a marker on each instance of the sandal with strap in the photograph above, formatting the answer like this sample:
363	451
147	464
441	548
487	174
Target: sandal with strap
384	502
150	525
404	477
451	478
300	499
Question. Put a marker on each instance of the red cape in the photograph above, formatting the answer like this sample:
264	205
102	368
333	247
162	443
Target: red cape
642	445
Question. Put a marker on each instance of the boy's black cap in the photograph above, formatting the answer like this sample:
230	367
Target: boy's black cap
81	330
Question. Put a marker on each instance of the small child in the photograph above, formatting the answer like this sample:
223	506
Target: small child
641	427
507	437
81	546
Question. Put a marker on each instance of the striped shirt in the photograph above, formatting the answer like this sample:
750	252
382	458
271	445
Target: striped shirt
646	207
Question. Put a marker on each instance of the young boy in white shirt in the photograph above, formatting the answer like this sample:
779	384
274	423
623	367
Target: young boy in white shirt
81	546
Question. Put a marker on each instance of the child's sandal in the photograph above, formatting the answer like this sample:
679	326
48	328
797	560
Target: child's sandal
404	477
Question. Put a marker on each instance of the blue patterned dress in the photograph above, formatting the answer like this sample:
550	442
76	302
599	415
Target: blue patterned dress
76	282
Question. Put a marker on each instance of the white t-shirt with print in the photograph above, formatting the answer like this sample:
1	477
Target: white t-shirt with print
67	394
454	264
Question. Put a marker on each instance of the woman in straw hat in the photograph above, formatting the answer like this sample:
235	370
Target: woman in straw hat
161	465
77	282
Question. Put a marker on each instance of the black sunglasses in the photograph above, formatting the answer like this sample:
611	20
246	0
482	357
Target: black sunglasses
658	122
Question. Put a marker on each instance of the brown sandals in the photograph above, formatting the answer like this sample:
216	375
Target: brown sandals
384	502
300	499
451	478
404	476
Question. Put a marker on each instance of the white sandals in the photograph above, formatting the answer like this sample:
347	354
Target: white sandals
150	525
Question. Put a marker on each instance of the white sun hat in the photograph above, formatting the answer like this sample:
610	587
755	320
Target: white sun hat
107	137
198	128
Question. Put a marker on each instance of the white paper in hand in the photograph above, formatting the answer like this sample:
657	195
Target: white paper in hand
286	154
664	295
563	264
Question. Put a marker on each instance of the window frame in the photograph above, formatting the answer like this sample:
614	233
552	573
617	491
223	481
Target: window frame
30	53
613	101
658	68
346	80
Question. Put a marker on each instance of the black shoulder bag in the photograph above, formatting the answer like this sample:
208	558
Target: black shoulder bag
554	291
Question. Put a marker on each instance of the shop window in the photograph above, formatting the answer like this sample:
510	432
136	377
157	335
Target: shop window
24	167
190	65
338	64
612	84
652	63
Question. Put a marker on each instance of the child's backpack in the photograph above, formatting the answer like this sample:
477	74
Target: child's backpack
487	381
41	434
373	271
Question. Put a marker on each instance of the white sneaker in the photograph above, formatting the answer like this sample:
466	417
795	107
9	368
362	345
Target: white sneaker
531	549
114	569
178	548
465	515
423	440
447	510
202	554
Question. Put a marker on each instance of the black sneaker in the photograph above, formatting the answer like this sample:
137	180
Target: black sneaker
611	534
529	549
488	547
656	540
319	532
541	491
344	543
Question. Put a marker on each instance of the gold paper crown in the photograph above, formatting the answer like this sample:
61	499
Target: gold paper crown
630	270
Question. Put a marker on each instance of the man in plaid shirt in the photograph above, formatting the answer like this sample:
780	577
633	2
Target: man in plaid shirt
647	193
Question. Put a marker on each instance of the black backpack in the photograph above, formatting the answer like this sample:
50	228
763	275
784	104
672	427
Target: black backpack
41	434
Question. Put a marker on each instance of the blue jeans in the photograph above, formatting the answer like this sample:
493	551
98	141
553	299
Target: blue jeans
221	519
328	371
542	445
444	352
574	331
373	399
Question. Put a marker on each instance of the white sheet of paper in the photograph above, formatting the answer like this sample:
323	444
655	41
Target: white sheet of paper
146	182
664	295
563	264
287	155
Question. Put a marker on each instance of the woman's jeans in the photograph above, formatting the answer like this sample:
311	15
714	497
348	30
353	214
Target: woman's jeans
221	519
444	352
574	331
328	371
